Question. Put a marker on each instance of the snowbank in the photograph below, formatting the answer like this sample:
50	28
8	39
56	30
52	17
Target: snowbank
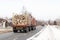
4	30
49	33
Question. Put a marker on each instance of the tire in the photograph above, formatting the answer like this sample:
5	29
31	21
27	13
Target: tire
26	30
33	28
30	28
14	31
22	31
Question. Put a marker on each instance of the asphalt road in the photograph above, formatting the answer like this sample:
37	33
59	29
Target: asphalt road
19	36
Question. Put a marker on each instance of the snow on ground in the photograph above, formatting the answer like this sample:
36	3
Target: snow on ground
5	30
49	33
56	32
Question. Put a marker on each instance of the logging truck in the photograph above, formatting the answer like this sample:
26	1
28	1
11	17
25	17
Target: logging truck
24	22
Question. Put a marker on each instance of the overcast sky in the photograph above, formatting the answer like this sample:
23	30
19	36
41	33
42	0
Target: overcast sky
40	9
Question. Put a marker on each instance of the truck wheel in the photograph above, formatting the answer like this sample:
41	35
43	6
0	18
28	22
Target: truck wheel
26	29
30	28
33	28
14	31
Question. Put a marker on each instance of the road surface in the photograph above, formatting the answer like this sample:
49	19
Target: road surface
19	36
49	33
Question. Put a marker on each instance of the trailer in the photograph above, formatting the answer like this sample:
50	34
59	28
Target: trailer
24	22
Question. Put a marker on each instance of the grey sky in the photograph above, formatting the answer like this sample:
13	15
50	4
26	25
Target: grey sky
40	9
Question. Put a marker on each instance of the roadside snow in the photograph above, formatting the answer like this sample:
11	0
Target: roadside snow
56	32
49	33
5	30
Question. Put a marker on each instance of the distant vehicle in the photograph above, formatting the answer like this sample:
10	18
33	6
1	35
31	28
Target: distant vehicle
24	22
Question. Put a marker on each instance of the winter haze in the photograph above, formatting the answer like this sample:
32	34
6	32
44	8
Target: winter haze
40	9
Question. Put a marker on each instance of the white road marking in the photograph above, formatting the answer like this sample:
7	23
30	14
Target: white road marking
31	38
50	33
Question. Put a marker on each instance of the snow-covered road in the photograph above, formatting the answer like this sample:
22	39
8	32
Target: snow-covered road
49	33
